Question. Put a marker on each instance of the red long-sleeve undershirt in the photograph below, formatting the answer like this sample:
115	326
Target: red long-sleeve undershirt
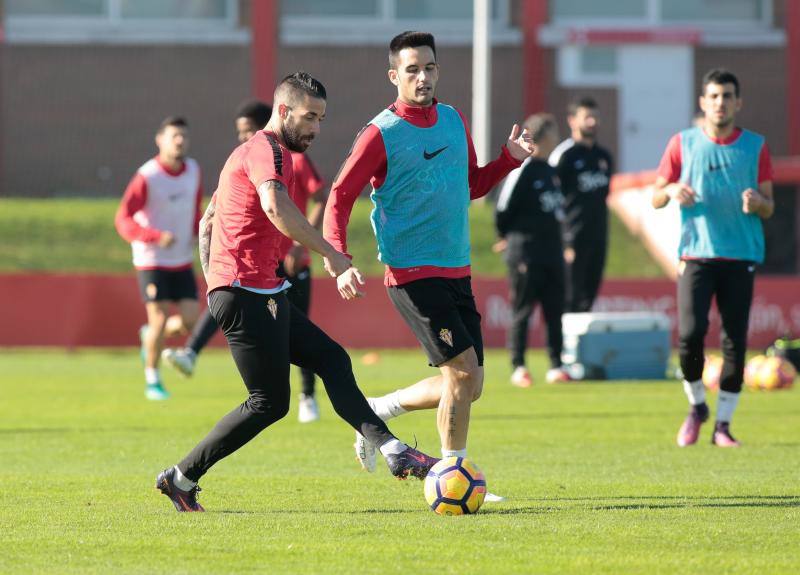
366	164
135	199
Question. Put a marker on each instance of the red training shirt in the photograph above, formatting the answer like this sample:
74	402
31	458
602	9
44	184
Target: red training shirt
245	245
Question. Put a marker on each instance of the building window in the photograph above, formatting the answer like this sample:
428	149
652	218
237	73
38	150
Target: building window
375	21
712	10
328	8
594	9
123	21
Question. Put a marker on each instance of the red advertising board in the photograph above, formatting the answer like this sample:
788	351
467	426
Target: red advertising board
91	310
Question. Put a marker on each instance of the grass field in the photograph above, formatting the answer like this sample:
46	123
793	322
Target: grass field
77	235
593	480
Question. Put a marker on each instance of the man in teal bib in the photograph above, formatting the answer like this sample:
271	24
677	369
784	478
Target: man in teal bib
417	155
721	176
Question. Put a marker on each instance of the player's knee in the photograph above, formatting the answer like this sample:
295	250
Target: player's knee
477	391
267	410
333	360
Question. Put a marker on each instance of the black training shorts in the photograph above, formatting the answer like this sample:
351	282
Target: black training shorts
442	314
167	285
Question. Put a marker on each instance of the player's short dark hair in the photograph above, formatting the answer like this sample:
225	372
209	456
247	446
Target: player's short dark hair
256	110
176	121
409	39
581	102
539	124
719	76
300	83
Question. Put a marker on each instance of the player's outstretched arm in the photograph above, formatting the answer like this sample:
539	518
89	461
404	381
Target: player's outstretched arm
204	234
284	215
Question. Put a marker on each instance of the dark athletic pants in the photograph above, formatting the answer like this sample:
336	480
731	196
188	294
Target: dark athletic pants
531	283
732	284
299	295
585	274
262	347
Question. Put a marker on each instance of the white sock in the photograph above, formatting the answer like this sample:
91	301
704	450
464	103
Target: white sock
454	452
695	391
393	447
151	375
181	481
726	405
388	406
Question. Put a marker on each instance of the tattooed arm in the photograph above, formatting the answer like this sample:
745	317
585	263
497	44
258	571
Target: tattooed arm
204	236
285	216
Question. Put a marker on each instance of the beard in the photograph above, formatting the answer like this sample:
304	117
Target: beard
294	139
588	133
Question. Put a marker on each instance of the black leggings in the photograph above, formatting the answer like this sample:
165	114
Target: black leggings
585	274
698	283
265	333
299	295
531	283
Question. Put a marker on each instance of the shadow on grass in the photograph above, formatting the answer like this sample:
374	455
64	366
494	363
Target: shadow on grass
308	511
656	502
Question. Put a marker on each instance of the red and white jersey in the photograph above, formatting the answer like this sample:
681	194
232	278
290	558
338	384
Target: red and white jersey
158	200
245	245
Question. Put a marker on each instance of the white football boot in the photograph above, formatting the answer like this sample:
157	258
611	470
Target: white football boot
182	360
365	453
308	410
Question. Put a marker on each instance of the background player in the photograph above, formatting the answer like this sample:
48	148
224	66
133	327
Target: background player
158	215
721	176
584	169
529	213
308	186
253	218
419	158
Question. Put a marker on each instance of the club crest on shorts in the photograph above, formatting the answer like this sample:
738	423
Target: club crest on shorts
446	336
151	290
272	306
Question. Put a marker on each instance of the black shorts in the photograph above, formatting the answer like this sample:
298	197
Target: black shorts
442	314
167	285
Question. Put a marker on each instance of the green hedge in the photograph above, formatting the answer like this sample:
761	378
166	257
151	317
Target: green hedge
78	235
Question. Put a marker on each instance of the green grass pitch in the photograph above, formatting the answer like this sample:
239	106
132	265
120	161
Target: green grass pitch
593	479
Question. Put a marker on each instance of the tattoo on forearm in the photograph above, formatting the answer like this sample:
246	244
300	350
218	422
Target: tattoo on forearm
206	225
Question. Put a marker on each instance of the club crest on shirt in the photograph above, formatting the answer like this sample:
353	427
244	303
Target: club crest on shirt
446	336
602	164
272	306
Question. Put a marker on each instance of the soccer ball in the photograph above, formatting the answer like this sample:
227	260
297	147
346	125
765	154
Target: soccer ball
771	373
751	370
455	486
712	369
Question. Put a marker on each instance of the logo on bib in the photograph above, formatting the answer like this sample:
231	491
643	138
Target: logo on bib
446	336
430	156
272	306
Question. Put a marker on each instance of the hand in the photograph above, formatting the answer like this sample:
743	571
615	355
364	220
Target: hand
291	263
336	263
166	239
751	201
500	246
569	255
520	143
348	283
681	193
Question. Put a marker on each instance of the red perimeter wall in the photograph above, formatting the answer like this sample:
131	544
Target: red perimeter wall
90	310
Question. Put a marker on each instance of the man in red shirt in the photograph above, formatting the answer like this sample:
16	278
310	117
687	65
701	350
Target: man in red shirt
254	220
158	215
419	158
295	264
